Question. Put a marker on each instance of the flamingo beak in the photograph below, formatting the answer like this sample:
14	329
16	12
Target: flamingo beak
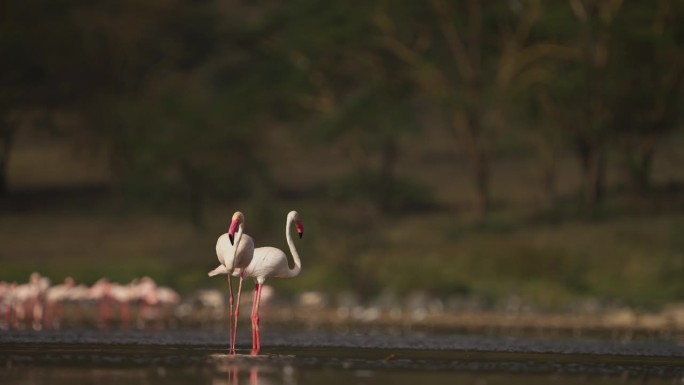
231	230
300	229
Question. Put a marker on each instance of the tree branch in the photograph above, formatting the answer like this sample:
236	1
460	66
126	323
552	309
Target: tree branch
455	44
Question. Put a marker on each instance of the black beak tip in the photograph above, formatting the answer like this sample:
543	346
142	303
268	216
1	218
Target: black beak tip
301	235
230	236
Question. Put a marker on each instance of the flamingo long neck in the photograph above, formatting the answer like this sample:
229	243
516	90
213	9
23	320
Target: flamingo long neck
293	250
238	238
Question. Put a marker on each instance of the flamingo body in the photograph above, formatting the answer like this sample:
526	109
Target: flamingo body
231	258
270	262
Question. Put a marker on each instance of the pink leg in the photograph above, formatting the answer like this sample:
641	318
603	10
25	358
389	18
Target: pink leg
49	315
230	317
13	324
253	316
78	313
37	314
255	322
6	316
105	312
124	314
58	315
237	312
142	311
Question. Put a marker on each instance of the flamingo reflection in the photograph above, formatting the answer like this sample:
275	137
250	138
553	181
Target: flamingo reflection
240	369
233	375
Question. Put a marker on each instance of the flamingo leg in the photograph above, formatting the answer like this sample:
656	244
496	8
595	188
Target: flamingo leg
58	315
125	314
12	317
237	312
105	312
37	314
230	317
48	317
255	322
254	301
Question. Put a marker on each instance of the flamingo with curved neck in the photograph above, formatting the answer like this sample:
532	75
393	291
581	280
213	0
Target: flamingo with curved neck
270	262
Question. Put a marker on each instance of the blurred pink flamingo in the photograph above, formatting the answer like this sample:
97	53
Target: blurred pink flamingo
55	297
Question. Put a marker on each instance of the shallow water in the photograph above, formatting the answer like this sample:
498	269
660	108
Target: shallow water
316	357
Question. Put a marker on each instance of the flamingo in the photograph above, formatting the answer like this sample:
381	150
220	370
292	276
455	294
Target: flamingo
101	293
233	251
55	296
77	295
25	301
158	301
270	262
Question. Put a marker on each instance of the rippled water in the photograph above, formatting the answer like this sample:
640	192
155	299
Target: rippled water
198	357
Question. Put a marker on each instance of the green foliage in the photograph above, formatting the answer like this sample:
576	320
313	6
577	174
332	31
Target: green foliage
393	195
152	77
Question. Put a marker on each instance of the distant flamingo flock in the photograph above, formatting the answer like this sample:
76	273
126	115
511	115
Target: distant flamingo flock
142	303
39	305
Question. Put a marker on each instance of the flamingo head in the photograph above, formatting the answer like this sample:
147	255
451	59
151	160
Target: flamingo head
296	218
236	221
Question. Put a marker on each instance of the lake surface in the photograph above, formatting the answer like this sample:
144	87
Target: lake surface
329	358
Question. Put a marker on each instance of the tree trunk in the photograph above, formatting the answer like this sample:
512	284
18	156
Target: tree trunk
481	165
6	136
549	185
641	164
3	176
470	123
593	158
482	179
387	171
546	154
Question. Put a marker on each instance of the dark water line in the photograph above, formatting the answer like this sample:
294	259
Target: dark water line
342	351
217	341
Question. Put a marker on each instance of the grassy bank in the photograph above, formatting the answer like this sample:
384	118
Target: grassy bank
630	259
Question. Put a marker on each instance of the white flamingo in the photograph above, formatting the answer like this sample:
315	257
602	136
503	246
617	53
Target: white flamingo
234	251
270	262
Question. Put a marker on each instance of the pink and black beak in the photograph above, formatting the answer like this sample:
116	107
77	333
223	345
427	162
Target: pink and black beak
300	229
232	229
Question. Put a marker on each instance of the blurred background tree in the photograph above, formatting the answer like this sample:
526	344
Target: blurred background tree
427	142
